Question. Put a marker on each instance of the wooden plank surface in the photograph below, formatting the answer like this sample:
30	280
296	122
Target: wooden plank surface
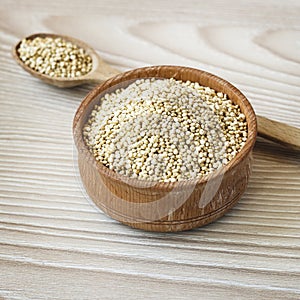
54	244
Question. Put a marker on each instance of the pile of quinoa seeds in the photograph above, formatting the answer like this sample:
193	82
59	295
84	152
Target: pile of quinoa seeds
165	130
55	57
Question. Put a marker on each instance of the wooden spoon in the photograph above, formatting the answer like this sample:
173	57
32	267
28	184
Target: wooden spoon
101	71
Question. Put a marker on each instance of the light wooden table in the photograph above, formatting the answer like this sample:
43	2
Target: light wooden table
55	245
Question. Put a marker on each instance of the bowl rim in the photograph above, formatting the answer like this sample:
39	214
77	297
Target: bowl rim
136	73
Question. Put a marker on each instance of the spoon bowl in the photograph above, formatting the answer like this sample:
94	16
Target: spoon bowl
100	70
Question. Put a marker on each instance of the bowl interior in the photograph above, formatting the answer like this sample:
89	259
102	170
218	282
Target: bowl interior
179	73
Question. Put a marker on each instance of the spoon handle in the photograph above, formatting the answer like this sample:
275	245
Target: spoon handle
103	72
281	133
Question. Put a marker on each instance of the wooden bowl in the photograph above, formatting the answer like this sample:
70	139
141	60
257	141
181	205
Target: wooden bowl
160	206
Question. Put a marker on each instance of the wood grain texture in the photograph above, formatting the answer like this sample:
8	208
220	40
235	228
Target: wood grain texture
54	244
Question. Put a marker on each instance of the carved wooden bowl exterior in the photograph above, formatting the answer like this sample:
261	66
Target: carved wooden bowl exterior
165	207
